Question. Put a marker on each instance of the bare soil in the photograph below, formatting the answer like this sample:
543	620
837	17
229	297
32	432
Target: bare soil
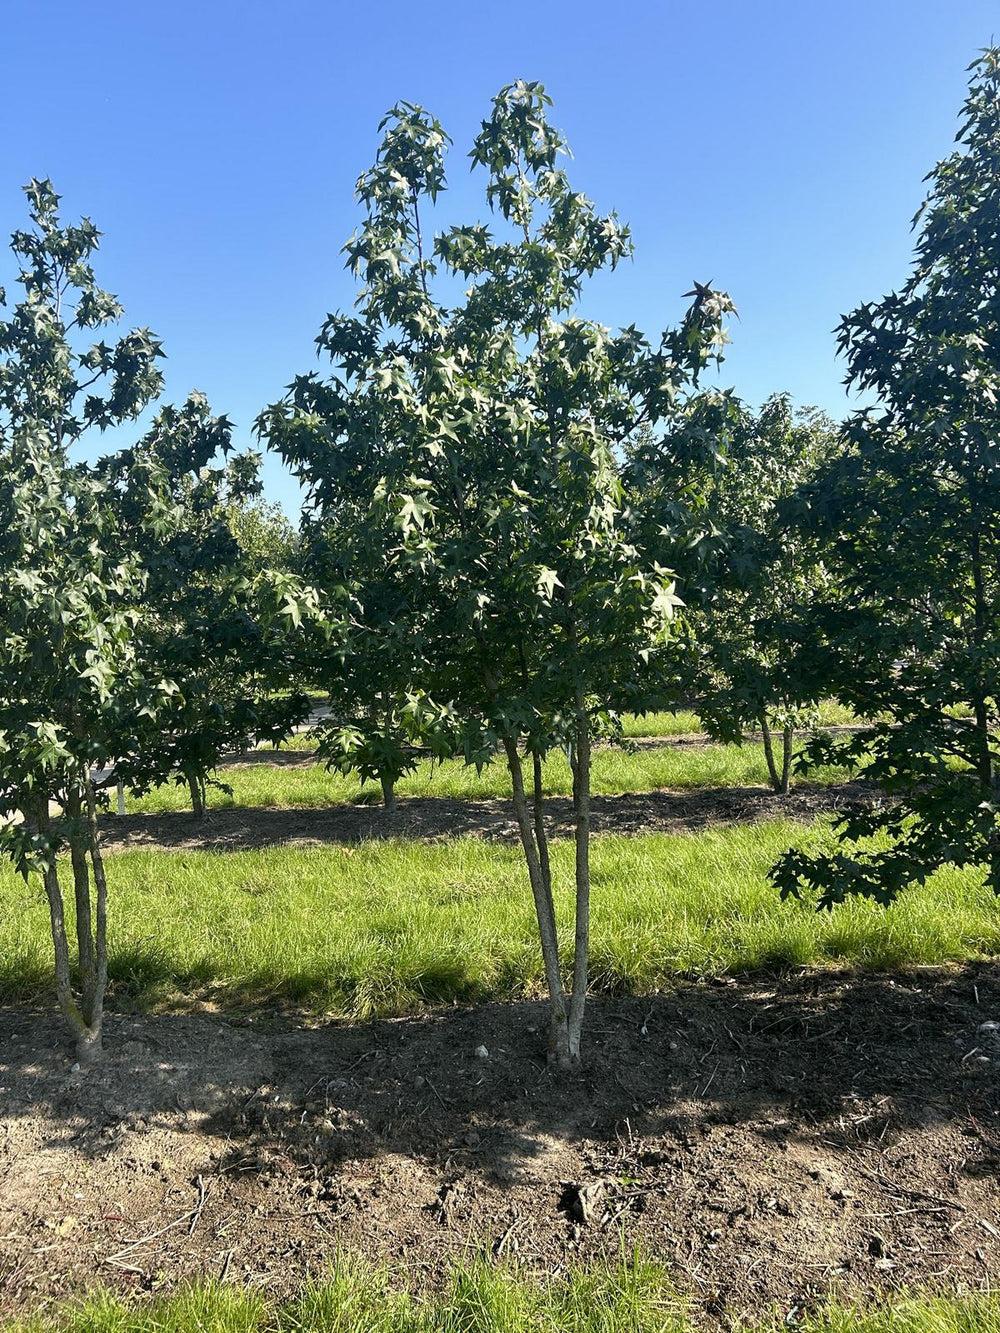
770	1141
680	740
435	818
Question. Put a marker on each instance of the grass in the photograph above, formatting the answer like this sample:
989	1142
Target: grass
634	1296
685	722
614	772
388	927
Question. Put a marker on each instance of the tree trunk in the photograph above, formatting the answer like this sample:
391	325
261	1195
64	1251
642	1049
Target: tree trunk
541	838
544	912
78	834
787	741
389	794
772	768
60	944
94	1001
197	789
581	818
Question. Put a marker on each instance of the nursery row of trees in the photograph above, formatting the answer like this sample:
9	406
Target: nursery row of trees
519	525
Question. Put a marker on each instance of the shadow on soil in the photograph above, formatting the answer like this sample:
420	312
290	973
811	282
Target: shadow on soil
768	1138
435	818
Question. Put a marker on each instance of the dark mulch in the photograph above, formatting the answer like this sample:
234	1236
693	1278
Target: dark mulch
435	818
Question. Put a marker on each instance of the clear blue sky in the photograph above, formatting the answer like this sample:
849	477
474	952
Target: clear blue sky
775	148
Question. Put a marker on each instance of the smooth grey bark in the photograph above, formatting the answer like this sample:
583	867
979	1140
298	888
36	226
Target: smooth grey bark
389	794
581	816
541	837
544	911
81	887
83	1019
94	1002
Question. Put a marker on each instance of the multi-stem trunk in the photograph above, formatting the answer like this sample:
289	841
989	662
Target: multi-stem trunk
84	1016
94	1000
78	834
581	820
544	909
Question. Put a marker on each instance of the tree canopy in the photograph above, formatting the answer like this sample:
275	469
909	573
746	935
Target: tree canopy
477	448
910	517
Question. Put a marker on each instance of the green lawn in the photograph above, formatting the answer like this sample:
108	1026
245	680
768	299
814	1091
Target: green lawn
614	771
831	714
681	723
387	927
633	1297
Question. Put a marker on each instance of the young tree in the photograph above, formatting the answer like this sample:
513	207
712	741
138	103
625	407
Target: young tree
206	626
481	445
380	723
744	569
69	592
263	534
82	555
911	518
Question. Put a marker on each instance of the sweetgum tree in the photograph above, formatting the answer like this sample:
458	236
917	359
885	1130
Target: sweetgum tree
69	589
208	623
479	444
381	723
911	518
744	566
88	558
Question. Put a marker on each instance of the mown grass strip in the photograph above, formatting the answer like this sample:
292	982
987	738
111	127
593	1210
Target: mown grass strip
685	722
632	1297
385	928
614	772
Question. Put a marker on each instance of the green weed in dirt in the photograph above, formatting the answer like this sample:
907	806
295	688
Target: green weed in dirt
386	927
634	1296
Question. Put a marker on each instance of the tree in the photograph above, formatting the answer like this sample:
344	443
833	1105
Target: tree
264	536
479	446
744	569
910	514
84	550
207	625
68	673
381	723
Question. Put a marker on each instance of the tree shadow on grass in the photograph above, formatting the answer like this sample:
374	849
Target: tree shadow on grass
433	818
835	1128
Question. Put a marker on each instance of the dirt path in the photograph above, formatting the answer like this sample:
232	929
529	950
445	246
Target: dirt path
435	818
687	740
769	1142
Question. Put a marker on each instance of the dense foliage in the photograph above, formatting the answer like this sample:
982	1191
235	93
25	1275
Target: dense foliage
120	606
910	516
468	460
724	472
